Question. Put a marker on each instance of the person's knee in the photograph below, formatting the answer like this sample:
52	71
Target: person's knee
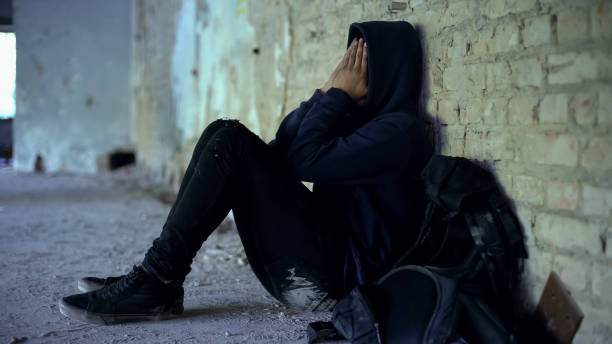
218	124
230	133
222	122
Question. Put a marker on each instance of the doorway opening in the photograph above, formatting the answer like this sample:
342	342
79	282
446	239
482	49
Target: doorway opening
8	67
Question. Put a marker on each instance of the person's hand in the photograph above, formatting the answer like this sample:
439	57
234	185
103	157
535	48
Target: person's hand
352	72
329	82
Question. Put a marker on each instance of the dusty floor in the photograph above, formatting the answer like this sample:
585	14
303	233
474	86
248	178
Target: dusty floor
56	229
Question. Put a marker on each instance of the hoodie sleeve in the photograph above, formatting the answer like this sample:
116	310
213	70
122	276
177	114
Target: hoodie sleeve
372	154
290	124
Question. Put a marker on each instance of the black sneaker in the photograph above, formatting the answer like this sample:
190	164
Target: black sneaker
86	284
136	296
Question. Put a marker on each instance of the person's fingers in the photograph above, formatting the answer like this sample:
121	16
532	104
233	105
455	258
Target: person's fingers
347	53
345	57
358	54
353	42
364	59
353	51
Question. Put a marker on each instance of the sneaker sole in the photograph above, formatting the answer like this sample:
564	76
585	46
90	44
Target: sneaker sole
84	286
110	319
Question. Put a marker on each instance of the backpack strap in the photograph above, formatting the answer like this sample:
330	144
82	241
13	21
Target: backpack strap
488	244
509	222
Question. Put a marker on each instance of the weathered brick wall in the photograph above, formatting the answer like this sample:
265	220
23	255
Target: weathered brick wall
523	85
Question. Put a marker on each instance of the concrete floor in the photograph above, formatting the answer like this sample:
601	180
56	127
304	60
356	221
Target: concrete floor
55	229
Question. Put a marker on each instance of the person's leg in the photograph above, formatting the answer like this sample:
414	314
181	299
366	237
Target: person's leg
276	216
294	257
207	134
94	283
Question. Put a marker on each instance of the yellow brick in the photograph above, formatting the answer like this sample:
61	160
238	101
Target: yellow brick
454	77
582	106
527	72
506	37
495	111
568	233
604	110
498	76
448	111
603	62
549	149
453	141
456	12
601	20
522	110
573	272
500	8
525	216
472	112
597	154
553	108
464	77
488	144
602	280
457	46
597	200
495	8
528	189
562	195
572	24
536	31
572	68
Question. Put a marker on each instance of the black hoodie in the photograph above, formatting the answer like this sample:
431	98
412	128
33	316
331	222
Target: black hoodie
365	161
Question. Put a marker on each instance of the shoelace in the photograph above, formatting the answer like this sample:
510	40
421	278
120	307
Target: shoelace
121	285
111	280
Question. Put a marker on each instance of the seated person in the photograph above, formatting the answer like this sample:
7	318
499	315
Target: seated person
358	138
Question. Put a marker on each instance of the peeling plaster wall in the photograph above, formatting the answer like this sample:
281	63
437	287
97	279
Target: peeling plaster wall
196	62
153	108
523	85
73	82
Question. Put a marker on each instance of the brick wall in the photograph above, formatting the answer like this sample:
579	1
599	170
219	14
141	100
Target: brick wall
524	85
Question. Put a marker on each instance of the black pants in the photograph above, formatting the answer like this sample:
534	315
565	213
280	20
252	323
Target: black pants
296	258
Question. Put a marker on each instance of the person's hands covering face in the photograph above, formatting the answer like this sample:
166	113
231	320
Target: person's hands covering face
351	74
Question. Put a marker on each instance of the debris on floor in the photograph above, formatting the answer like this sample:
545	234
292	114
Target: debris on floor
55	229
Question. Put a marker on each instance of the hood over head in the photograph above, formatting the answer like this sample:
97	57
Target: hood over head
394	65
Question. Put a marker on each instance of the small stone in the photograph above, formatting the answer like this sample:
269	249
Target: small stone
227	334
195	284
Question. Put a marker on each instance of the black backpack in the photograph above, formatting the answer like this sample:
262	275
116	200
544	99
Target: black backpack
458	282
468	216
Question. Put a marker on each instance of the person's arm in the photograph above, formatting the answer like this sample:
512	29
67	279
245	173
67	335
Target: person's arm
290	124
379	150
